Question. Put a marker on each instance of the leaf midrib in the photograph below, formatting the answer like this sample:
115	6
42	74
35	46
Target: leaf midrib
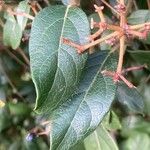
83	99
59	46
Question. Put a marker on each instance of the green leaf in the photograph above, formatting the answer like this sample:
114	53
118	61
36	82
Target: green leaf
100	139
111	121
23	7
78	117
12	32
130	97
141	56
13	28
56	67
137	141
139	16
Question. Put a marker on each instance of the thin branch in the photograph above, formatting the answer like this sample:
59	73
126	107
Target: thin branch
100	40
100	13
139	25
134	68
129	6
148	4
21	52
136	33
1	23
122	2
9	81
82	48
16	58
20	14
47	2
39	7
12	55
121	54
129	84
109	6
114	28
122	42
135	5
33	9
95	35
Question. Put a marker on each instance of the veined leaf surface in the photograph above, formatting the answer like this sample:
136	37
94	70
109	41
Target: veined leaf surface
56	67
77	118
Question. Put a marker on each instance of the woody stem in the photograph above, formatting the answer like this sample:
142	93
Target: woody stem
20	14
100	40
82	48
139	26
109	6
122	42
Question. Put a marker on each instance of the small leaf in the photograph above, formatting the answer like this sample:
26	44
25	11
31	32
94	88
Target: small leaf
130	97
111	121
77	118
100	139
11	26
56	67
141	56
23	7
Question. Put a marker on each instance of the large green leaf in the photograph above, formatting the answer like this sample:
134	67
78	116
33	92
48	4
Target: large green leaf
77	118
100	139
56	67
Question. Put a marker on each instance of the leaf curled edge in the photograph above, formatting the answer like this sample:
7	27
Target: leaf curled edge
56	67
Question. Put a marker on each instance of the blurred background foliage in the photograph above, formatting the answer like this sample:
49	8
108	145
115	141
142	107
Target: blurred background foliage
129	128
